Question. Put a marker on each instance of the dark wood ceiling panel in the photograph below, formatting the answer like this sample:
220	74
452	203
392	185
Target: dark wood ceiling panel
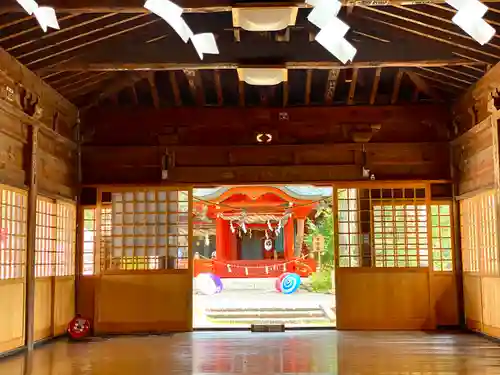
91	49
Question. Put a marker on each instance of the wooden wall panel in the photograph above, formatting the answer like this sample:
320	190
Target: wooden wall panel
472	301
473	158
370	298
43	308
239	126
11	314
269	164
490	288
208	145
64	303
57	167
86	296
445	299
154	302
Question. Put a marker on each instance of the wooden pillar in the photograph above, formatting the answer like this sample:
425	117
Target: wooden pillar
31	237
300	236
79	235
289	239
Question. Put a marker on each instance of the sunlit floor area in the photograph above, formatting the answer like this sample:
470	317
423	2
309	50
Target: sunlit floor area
243	302
296	352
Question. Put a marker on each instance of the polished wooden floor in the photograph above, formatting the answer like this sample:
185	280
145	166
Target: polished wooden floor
296	352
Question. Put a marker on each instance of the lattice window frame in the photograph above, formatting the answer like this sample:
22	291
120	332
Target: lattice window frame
65	238
348	229
401	212
89	241
479	242
45	237
13	221
165	230
442	240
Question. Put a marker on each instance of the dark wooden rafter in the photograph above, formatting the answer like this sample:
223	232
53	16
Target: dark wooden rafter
53	34
352	86
307	93
422	86
175	88
195	86
136	6
133	94
376	81
118	83
331	84
241	93
154	90
285	93
87	43
218	87
327	65
422	33
397	86
81	81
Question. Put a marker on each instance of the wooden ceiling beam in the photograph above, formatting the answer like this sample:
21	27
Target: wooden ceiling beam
376	81
154	90
190	6
328	65
307	94
422	86
352	87
175	89
331	84
116	85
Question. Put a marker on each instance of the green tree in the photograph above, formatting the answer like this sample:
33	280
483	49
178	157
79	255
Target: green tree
322	225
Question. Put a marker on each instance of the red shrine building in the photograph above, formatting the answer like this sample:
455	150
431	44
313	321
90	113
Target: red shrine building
254	231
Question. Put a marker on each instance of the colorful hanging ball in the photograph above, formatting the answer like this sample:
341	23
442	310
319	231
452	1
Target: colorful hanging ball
277	283
208	283
290	283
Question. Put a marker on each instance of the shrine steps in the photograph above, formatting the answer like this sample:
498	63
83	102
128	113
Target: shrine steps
271	315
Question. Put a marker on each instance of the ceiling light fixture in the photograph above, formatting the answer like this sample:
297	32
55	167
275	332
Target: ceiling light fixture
264	19
332	30
172	14
46	16
262	76
469	18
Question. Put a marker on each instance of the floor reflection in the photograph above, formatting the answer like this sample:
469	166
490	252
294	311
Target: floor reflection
296	352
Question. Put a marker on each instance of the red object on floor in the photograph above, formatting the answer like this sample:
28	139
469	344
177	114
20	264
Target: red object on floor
79	328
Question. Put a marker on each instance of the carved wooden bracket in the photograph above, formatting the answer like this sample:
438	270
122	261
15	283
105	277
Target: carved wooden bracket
360	132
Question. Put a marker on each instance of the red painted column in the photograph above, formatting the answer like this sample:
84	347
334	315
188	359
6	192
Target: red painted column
233	246
289	238
221	238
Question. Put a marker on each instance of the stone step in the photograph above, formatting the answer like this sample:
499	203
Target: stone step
266	315
262	309
292	321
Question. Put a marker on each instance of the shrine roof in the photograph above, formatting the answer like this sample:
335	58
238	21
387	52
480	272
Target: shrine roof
305	192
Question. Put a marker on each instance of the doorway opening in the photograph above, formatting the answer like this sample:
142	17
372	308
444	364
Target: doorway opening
263	255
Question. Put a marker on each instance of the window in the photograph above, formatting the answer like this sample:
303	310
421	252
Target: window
442	250
65	239
12	233
400	235
385	227
148	230
478	234
45	242
89	238
54	238
349	236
